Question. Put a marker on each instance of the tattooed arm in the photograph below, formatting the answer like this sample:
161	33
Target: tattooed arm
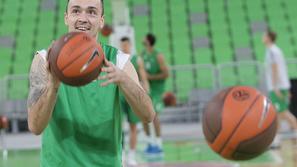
42	95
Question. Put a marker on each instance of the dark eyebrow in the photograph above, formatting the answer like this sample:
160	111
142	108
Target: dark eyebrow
75	6
92	8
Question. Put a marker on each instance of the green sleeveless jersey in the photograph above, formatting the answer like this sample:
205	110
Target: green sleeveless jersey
152	67
134	62
85	128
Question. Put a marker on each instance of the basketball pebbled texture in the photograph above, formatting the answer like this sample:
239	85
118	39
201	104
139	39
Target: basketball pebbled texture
76	58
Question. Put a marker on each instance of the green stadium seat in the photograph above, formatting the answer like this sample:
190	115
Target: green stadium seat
292	68
248	75
18	90
203	56
205	78
6	54
200	30
196	5
228	76
223	53
8	29
182	77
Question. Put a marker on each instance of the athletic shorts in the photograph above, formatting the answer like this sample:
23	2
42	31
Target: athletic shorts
127	110
158	103
281	104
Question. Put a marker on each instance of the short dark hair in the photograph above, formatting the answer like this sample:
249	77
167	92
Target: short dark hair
125	39
102	5
272	35
151	38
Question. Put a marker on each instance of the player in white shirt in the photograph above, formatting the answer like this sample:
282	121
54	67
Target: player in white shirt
277	78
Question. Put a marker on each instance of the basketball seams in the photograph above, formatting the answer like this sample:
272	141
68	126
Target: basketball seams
58	45
255	138
78	57
238	124
69	51
207	122
76	81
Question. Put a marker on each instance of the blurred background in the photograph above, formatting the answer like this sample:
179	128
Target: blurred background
208	44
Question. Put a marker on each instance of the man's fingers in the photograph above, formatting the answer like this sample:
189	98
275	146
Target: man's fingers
107	82
108	69
107	76
107	63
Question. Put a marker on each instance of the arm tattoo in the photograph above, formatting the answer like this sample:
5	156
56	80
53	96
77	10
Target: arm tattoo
38	79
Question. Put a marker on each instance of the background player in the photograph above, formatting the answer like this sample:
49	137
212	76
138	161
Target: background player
131	116
156	72
278	82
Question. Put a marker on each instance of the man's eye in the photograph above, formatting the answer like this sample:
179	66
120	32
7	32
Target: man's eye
75	11
92	12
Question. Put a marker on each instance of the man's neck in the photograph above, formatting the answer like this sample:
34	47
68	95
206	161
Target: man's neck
269	45
150	49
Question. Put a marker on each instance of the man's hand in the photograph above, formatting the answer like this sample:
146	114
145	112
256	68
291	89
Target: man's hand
114	74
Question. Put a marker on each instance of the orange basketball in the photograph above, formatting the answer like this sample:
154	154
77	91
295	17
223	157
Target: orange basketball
169	99
106	30
239	123
3	122
76	58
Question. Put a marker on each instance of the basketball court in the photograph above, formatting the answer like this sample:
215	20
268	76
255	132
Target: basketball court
181	149
208	45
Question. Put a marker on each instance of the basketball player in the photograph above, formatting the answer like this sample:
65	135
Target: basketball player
156	72
81	126
131	116
278	82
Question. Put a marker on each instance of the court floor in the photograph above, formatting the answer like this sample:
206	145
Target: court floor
176	154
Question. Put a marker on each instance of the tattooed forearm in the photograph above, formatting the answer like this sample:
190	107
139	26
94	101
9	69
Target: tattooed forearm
38	80
42	96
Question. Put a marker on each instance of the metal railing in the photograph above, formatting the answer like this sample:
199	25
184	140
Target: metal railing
185	79
13	92
249	73
189	77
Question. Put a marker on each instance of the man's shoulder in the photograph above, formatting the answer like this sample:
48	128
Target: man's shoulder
41	53
276	49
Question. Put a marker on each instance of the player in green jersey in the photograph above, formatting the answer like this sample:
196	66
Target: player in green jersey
81	126
156	72
126	109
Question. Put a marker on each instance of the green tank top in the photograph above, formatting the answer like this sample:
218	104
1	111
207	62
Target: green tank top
152	67
85	128
134	62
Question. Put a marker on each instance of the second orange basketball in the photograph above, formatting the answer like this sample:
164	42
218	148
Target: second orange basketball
239	123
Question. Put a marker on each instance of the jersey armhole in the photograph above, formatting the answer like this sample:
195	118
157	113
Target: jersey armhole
122	59
42	53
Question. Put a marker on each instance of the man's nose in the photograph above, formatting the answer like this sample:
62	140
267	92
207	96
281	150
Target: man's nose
83	17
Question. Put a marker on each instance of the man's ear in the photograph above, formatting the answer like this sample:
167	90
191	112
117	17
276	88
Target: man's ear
102	21
66	18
